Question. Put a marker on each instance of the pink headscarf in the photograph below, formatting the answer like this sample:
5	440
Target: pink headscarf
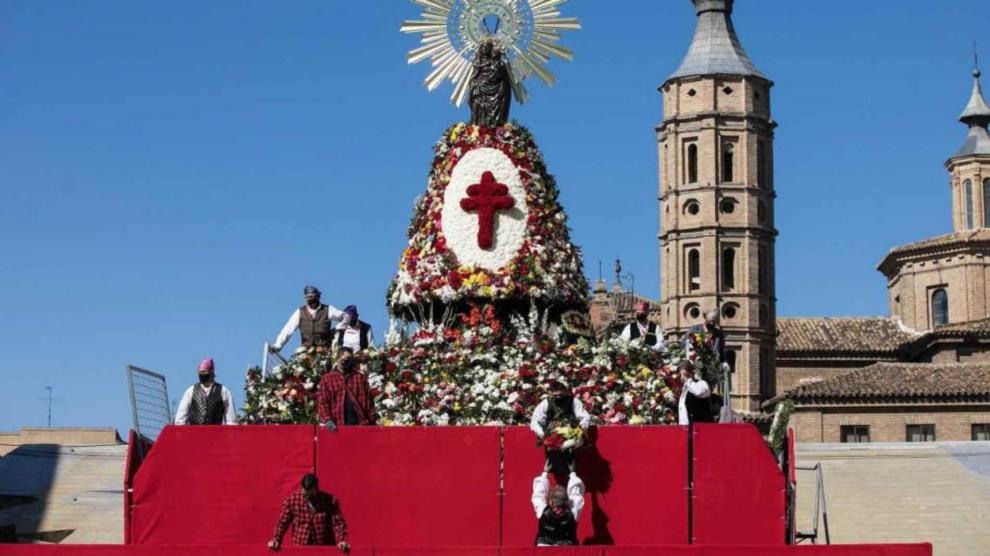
206	364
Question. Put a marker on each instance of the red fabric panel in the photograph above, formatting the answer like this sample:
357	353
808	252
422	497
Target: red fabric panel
218	484
552	551
791	457
454	551
414	486
738	487
636	482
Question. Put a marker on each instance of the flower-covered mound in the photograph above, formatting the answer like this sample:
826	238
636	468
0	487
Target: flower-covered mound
485	374
532	257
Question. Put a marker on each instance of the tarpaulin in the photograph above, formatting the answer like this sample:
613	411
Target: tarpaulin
414	486
636	486
738	487
218	484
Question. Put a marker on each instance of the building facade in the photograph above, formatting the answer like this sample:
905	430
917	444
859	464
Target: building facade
715	147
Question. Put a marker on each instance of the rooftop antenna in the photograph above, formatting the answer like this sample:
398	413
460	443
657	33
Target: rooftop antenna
618	272
49	388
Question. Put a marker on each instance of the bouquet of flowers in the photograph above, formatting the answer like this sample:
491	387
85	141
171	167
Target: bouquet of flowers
564	439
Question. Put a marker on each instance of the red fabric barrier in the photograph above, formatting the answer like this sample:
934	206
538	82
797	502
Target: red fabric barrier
257	550
218	484
414	486
738	487
636	482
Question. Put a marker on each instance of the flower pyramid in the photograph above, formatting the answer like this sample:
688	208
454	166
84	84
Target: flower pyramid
489	230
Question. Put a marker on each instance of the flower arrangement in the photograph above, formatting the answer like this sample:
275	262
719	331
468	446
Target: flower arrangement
564	439
532	258
481	372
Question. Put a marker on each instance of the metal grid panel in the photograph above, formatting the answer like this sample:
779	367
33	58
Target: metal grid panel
149	401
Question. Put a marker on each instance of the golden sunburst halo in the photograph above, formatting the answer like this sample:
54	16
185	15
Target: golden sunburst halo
529	31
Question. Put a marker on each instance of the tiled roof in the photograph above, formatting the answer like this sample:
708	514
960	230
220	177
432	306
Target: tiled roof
960	238
905	381
841	334
625	302
715	48
980	327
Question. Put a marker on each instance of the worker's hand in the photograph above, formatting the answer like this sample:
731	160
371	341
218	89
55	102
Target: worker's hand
274	545
331	426
344	547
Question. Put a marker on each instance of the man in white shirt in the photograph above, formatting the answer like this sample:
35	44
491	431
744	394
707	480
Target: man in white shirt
313	321
559	408
557	512
643	330
352	332
206	403
693	405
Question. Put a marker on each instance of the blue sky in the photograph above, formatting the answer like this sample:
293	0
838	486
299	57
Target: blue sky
172	173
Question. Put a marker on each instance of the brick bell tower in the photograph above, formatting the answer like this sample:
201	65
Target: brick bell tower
716	200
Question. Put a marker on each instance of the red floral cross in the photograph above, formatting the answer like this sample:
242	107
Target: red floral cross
486	198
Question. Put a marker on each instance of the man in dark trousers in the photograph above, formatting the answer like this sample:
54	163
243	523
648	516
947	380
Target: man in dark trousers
558	510
314	516
207	402
344	397
313	320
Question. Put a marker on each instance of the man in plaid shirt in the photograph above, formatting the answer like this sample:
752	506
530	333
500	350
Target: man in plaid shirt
315	518
345	397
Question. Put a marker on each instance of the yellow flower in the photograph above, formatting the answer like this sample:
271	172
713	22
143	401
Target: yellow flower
636	420
645	371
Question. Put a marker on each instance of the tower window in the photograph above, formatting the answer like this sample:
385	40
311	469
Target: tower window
694	270
986	203
692	311
761	210
764	317
730	310
940	307
968	200
692	163
762	165
692	207
692	92
728	269
728	155
762	275
727	90
727	205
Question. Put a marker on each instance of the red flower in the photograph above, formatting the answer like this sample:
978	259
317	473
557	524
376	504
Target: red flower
454	279
553	441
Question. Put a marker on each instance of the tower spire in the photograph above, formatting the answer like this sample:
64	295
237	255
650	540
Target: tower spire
976	115
715	48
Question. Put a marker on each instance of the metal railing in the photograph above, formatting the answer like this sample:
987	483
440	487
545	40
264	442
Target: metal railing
820	511
270	359
149	401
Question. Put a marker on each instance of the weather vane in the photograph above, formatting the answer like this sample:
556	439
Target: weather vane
494	40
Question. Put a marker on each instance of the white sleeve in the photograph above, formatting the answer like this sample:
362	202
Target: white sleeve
229	413
182	412
699	388
371	336
626	333
287	331
540	488
659	345
539	418
584	418
575	493
334	313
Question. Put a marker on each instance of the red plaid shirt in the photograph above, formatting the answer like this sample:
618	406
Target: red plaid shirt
311	524
330	400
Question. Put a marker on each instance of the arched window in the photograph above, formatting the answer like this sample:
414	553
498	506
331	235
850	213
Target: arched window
694	270
728	269
761	165
692	163
940	307
968	200
986	203
727	155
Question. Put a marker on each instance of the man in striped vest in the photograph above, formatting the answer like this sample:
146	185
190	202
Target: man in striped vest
206	403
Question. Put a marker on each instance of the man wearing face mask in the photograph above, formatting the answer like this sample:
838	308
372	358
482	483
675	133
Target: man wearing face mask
344	397
353	333
313	321
559	408
649	333
559	510
206	403
315	518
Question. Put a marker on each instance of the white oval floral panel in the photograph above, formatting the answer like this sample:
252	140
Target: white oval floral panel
461	226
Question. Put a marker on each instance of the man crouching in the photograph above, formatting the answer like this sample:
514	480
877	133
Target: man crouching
559	510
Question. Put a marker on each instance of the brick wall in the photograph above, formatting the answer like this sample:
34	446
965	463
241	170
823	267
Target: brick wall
887	423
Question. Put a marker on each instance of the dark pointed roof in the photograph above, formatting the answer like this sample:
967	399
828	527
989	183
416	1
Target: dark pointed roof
715	48
976	115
